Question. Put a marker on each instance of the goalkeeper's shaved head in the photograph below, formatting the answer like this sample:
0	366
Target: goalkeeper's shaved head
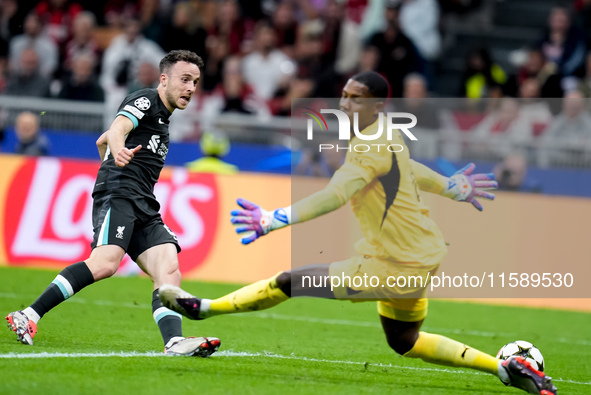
363	97
377	85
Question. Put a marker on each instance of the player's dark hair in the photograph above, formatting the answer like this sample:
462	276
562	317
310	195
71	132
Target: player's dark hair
180	55
376	84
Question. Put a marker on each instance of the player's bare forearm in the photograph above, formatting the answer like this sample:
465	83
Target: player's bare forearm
116	138
120	128
101	144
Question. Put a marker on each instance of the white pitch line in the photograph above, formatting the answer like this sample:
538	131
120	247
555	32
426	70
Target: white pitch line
13	355
326	321
239	354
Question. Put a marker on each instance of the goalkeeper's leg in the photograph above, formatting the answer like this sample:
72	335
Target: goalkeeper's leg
256	296
406	339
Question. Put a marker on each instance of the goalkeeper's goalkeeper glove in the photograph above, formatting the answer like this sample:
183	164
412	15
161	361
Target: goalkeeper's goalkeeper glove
258	222
464	186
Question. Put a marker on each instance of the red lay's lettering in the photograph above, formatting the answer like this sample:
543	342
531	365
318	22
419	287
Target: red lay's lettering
48	212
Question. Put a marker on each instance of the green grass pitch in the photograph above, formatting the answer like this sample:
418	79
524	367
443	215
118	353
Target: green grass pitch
303	346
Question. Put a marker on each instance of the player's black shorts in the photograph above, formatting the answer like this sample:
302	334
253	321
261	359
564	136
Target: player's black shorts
129	223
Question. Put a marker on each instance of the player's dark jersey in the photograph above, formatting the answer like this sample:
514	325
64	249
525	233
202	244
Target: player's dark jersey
137	179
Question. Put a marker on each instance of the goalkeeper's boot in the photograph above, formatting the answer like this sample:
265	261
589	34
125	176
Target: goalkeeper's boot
180	301
24	328
193	346
522	375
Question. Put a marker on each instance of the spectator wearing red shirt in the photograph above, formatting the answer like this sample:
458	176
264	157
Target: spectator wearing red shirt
58	18
118	12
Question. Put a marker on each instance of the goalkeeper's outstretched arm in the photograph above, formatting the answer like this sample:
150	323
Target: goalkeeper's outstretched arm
427	179
256	221
463	186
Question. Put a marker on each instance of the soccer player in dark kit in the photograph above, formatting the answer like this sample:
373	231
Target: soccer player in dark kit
125	212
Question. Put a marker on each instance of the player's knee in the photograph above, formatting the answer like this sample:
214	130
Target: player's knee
174	274
103	266
403	343
284	282
104	269
400	346
167	272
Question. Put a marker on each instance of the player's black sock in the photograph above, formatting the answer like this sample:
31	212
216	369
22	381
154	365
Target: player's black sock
169	322
70	280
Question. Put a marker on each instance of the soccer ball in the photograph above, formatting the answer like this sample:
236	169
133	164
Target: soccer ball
523	349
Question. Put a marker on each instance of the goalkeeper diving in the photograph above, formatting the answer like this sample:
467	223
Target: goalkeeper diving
399	239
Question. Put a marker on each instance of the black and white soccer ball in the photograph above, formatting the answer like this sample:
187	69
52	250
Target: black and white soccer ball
523	349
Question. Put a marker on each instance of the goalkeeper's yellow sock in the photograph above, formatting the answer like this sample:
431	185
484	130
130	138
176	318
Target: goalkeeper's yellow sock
444	351
256	296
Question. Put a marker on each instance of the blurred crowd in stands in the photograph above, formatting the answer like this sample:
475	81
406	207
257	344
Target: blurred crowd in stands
257	53
267	51
261	54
